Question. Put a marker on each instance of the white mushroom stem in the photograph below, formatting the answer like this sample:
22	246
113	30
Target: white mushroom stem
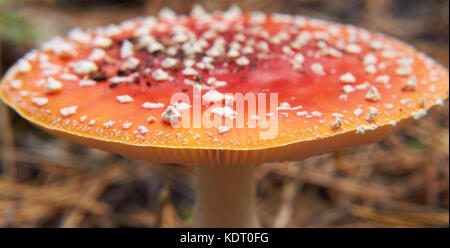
225	197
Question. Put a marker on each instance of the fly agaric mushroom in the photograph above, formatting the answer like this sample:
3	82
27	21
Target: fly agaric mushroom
110	88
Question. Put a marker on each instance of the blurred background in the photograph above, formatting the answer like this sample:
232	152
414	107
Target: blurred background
402	181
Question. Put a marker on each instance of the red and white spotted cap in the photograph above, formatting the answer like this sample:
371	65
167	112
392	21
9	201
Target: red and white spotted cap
110	87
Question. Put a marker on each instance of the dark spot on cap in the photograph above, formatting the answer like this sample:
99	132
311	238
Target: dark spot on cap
121	72
156	53
180	54
199	79
99	76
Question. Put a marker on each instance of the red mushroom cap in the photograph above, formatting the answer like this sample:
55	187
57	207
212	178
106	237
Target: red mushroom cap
337	86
